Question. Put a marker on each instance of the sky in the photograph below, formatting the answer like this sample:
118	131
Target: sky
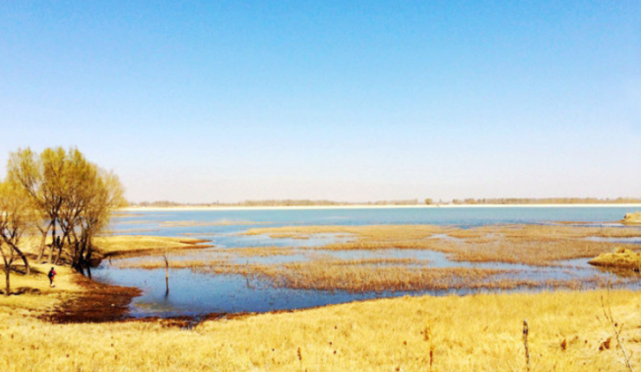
206	101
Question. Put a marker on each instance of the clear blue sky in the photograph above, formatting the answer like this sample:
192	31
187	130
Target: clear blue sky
343	100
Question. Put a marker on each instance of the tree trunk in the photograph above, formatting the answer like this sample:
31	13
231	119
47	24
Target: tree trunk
62	242
53	242
23	257
166	274
7	273
76	251
53	236
88	249
50	253
59	255
43	245
82	247
43	242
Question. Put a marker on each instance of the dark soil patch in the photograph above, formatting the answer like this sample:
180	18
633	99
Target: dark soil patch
23	290
99	303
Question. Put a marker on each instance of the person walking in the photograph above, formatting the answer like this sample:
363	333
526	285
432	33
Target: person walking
52	275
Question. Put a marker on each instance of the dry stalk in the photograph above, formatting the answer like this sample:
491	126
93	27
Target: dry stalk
300	358
607	312
526	331
164	256
427	337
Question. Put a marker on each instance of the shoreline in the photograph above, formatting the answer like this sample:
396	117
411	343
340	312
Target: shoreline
367	206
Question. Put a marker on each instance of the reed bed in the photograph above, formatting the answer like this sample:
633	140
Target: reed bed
151	263
331	276
369	232
129	245
622	258
395	275
262	251
522	251
539	245
546	232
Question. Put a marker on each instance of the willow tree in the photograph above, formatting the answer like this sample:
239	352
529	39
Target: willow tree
41	177
90	196
15	218
70	193
104	195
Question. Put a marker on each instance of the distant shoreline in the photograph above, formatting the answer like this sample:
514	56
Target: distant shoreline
366	206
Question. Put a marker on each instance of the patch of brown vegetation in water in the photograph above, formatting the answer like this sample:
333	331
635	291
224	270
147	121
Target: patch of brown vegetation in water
538	245
622	258
150	263
394	275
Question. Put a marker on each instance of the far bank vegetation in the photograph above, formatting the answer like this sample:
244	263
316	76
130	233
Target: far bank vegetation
399	202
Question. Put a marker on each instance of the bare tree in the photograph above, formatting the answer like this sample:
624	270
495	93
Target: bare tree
15	218
8	256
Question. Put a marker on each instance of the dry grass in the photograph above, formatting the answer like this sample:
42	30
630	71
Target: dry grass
523	251
540	245
366	277
621	259
369	232
261	251
135	245
632	218
471	333
45	298
157	263
370	274
393	275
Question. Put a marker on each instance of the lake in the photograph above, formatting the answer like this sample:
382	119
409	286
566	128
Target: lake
196	293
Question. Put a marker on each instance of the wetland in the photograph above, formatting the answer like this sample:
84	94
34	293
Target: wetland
273	260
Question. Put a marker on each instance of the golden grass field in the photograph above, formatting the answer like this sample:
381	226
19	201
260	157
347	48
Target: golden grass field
568	332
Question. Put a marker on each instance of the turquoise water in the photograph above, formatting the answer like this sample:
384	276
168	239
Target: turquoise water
195	294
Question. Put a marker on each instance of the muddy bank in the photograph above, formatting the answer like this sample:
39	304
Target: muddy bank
97	303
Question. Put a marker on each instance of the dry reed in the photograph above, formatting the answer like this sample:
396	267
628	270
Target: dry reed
540	245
